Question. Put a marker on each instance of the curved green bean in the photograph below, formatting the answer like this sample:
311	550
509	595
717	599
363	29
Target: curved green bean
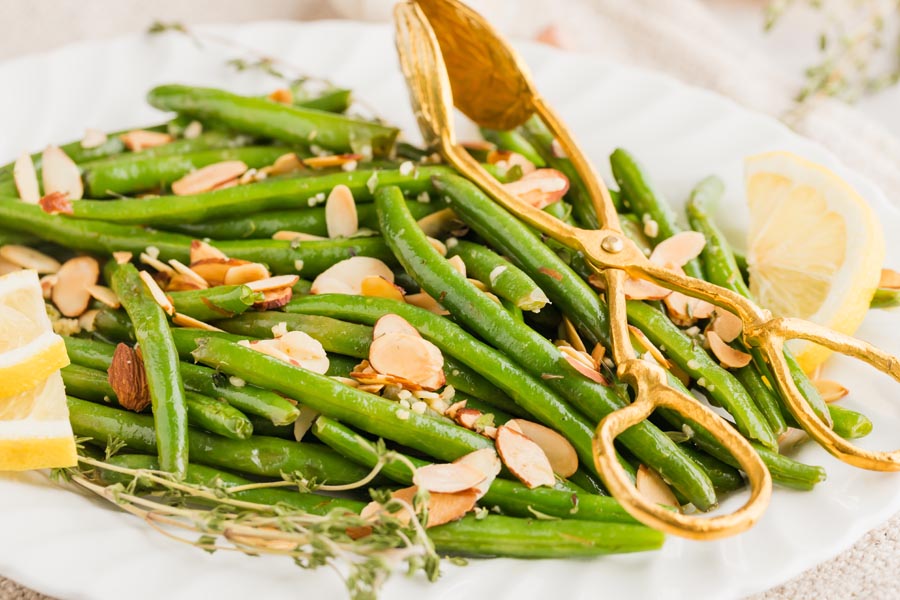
218	302
499	275
849	424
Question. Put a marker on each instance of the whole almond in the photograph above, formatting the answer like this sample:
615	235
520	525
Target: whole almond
128	379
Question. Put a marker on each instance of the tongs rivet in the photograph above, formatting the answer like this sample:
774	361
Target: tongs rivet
612	244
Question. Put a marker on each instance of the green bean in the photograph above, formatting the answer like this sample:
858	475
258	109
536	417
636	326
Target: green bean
849	424
513	141
138	172
160	364
886	298
341	366
218	302
261	456
511	497
483	316
87	383
499	275
262	117
215	479
432	435
354	340
269	194
723	271
647	202
98	237
633	230
304	220
725	478
766	399
17	237
336	101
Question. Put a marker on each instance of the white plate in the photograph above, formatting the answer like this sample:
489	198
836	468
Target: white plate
73	547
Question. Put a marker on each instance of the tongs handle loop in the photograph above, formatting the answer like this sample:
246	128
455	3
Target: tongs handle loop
771	336
653	393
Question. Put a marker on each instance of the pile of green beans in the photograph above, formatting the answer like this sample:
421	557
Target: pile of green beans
221	410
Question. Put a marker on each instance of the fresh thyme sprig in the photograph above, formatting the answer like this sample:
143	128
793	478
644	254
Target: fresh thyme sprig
213	519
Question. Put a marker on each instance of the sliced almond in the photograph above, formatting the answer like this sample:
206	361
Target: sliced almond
578	364
727	325
299	236
193	130
87	319
506	159
685	310
410	357
180	283
74	278
458	264
157	264
391	323
831	391
201	250
561	454
524	458
439	223
379	287
333	160
583	357
28	258
305	350
284	164
209	177
128	379
273	283
442	508
889	279
246	273
122	257
47	282
649	346
730	358
424	300
56	203
438	245
104	295
183	320
26	180
9	267
468	417
282	96
304	421
641	289
539	188
61	174
188	273
346	277
156	292
679	249
652	487
274	299
487	462
212	270
447	478
598	353
341	219
93	138
790	439
140	139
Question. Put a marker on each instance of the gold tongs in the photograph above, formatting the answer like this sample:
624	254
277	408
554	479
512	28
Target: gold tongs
444	45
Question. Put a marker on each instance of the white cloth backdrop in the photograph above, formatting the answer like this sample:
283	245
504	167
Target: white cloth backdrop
708	43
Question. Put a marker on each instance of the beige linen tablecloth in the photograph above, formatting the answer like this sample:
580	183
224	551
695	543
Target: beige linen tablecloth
681	37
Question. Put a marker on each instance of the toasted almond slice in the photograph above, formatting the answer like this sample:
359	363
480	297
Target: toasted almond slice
559	451
157	264
447	477
727	325
284	164
468	417
122	257
392	323
290	236
889	279
93	138
180	283
87	318
583	357
641	289
47	282
56	203
346	277
455	408
61	174
213	270
379	287
685	310
274	299
458	264
524	458
74	278
598	353
477	283
28	258
438	223
649	346
654	489
241	274
183	320
333	160
140	139
201	250
188	273
104	295
282	96
730	358
423	300
410	357
679	249
486	461
273	283
479	145
157	293
442	508
831	391
304	421
26	180
790	439
305	350
506	159
578	364
209	177
340	213
438	245
193	130
539	188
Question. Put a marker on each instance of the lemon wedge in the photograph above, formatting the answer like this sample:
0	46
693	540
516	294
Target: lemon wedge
34	420
815	247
